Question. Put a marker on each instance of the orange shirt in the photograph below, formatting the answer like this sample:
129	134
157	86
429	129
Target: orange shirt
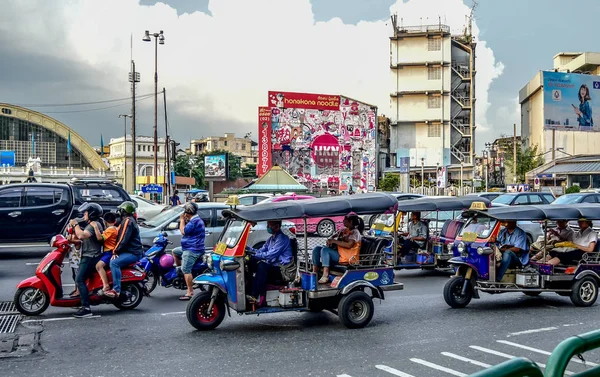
110	238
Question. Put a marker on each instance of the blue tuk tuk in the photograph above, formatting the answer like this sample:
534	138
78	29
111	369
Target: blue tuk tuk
353	287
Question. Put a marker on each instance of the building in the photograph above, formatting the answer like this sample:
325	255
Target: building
243	147
324	141
549	103
556	175
433	98
144	161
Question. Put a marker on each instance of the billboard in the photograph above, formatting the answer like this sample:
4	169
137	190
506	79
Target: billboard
264	141
290	100
7	158
569	101
442	177
215	167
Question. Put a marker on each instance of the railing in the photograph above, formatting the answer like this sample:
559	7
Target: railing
464	129
462	99
461	69
424	29
56	172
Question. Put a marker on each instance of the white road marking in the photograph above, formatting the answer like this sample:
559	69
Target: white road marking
536	350
393	371
344	375
57	319
172	313
439	367
69	285
572	324
507	356
32	264
461	358
532	331
550	306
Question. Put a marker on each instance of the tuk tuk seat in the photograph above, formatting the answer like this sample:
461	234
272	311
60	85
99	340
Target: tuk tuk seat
371	249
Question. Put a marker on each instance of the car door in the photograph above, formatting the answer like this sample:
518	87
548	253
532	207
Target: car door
549	198
10	214
536	199
46	211
207	215
521	200
589	199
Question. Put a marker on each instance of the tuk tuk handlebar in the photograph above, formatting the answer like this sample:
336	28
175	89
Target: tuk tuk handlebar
562	354
517	367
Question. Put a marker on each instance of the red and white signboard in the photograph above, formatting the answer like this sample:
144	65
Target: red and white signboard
264	141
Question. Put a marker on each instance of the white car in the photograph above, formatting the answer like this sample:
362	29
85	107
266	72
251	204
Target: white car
252	199
146	209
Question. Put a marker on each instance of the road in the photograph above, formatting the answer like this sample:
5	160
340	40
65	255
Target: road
413	333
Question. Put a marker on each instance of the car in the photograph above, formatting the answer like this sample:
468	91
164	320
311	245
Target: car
487	195
146	209
322	226
214	222
532	228
252	199
368	219
581	197
523	198
36	212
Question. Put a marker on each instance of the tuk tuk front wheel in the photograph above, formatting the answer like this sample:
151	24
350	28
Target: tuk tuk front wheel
356	310
198	315
453	292
585	292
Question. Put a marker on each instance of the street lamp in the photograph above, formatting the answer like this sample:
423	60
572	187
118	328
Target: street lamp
124	116
422	176
437	187
461	178
159	38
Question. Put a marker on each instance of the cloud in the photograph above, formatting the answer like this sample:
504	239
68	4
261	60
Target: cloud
217	67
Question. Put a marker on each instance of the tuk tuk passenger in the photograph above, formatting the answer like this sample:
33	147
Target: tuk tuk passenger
513	246
585	240
416	236
561	233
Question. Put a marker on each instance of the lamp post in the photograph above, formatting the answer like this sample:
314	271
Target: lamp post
422	176
461	178
124	116
159	38
437	179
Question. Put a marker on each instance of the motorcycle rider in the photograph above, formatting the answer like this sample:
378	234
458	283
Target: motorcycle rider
128	249
91	249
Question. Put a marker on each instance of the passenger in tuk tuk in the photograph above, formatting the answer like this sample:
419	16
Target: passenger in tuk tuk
584	241
561	233
268	262
342	248
513	246
416	236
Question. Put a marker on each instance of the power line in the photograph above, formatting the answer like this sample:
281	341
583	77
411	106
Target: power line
96	109
82	103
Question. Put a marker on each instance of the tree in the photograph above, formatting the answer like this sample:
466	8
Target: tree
389	182
183	164
528	158
573	189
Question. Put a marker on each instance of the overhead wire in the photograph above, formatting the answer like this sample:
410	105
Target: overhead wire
83	103
99	108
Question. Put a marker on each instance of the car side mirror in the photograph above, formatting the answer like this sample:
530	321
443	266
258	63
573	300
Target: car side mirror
173	226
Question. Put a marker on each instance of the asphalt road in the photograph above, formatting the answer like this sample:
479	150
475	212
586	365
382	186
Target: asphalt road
413	333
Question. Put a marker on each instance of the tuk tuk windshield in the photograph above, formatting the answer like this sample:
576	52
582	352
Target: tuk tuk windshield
232	232
385	219
480	225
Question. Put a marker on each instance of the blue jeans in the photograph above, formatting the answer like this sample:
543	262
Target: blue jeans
509	259
122	260
86	265
323	255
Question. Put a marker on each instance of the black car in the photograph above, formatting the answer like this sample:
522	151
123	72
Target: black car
524	198
35	212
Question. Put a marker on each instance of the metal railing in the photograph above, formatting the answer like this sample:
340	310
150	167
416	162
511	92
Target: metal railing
424	29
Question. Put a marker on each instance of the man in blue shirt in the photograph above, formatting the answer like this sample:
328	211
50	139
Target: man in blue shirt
513	245
192	228
268	261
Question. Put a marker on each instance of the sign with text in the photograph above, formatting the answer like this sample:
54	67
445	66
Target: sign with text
152	189
289	100
215	167
264	141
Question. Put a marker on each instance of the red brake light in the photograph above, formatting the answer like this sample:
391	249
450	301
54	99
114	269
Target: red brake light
293	230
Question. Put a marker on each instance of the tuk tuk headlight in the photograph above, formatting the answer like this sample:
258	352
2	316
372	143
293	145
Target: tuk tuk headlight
484	250
450	246
208	260
461	247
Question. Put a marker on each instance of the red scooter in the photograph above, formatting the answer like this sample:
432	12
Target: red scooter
36	293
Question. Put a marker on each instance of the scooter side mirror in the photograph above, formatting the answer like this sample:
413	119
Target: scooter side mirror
173	226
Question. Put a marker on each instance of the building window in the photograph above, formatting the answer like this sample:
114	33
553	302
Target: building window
6	111
434	44
434	102
434	73
243	147
237	146
139	148
216	144
434	130
225	142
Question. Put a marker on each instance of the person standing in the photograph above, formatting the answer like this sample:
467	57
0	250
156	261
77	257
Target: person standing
175	201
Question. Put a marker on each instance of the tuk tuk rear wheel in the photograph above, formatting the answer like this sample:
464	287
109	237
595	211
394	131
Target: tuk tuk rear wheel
585	292
197	315
453	292
356	310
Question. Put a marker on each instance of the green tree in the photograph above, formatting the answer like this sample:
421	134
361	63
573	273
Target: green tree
528	158
389	182
186	163
573	189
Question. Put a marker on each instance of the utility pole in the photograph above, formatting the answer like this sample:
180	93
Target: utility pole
134	77
168	182
515	152
124	116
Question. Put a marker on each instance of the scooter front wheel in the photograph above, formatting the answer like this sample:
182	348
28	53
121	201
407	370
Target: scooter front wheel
152	276
198	315
31	301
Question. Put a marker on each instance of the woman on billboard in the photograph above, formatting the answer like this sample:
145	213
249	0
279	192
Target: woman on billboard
584	112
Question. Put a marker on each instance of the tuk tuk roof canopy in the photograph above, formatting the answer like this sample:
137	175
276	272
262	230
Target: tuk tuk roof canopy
544	212
277	180
446	203
361	204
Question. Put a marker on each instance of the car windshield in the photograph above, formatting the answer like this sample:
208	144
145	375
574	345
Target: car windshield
568	199
232	232
439	215
100	194
504	199
385	219
161	218
481	225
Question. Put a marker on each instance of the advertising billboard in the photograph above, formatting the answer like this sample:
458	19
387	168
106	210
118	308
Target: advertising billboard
264	141
311	101
441	177
215	167
569	100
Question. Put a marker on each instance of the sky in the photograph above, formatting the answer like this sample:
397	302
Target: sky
220	57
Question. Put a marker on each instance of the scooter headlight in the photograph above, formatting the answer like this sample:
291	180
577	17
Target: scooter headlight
461	247
155	240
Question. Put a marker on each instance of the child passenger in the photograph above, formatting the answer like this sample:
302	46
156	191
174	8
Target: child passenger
109	237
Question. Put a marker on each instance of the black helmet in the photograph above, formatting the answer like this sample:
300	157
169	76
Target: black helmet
190	208
93	210
126	208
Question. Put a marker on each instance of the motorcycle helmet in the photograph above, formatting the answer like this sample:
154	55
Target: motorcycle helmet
190	208
126	209
94	211
166	261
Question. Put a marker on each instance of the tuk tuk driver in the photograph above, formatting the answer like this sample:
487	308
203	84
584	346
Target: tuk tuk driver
416	236
268	261
513	245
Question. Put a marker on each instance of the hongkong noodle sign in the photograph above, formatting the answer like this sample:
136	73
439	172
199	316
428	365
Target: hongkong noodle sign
288	100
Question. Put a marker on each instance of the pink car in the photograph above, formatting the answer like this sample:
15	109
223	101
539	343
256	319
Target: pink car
323	226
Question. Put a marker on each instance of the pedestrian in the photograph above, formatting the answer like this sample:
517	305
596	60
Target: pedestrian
350	191
175	201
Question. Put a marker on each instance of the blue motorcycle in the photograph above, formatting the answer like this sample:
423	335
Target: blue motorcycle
160	266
